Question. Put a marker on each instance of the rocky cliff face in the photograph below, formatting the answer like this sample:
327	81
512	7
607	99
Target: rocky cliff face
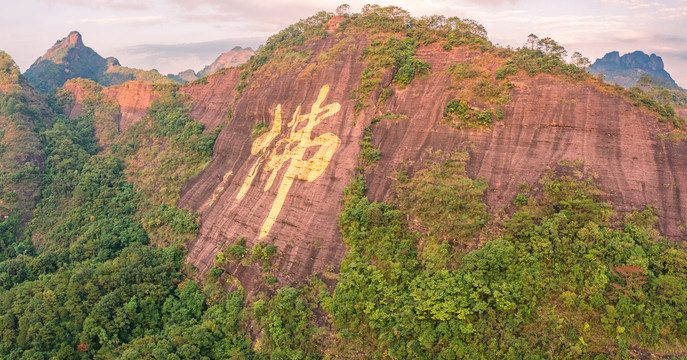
548	120
626	70
133	99
284	187
212	101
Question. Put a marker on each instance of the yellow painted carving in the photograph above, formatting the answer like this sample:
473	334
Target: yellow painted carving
220	188
290	151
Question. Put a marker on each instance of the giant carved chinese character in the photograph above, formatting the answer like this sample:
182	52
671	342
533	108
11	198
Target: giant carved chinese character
290	151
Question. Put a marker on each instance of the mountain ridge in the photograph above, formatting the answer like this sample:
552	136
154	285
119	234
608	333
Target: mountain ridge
232	58
629	68
69	58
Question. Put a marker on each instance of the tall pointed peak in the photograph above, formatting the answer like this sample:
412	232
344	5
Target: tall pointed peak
74	39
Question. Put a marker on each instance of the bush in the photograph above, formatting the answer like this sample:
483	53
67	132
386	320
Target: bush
259	129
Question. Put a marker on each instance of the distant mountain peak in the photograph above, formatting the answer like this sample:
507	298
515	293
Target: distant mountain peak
627	69
232	58
69	58
58	51
74	39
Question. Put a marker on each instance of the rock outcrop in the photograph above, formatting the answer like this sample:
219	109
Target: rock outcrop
133	98
284	187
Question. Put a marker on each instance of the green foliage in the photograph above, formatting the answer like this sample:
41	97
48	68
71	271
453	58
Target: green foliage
368	154
464	71
657	101
294	35
263	252
259	129
94	289
459	114
521	200
237	251
445	201
117	75
486	90
287	322
9	71
537	61
200	81
389	53
505	71
21	156
175	148
242	85
554	284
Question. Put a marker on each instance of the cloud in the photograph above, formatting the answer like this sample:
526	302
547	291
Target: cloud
139	20
103	4
167	57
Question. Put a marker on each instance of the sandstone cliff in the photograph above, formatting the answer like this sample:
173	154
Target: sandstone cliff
270	190
132	98
284	186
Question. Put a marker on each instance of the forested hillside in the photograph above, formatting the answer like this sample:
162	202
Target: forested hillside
436	197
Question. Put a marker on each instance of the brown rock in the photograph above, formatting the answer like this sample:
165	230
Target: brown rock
134	98
211	101
548	120
305	231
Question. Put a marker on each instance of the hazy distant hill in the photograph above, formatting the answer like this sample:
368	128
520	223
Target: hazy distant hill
231	58
69	58
626	70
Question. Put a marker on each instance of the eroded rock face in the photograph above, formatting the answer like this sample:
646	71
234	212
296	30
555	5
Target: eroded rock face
134	98
285	186
211	101
547	121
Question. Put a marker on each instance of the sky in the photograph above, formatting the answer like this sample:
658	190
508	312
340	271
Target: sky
175	35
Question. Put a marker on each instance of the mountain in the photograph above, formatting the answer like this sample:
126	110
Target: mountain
626	70
69	58
368	185
231	58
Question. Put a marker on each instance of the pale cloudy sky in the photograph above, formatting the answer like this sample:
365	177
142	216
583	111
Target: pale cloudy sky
174	35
